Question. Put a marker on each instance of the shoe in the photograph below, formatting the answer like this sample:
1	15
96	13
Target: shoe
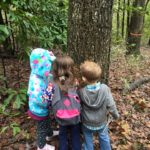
47	147
55	133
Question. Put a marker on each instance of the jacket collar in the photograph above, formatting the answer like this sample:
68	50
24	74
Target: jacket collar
93	87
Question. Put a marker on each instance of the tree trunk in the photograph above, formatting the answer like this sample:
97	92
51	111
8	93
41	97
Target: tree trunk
89	32
118	21
123	17
148	42
128	17
135	27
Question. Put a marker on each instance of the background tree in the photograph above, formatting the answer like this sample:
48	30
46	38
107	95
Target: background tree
135	28
89	32
118	21
123	17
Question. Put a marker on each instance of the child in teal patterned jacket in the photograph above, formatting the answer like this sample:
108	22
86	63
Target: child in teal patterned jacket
39	103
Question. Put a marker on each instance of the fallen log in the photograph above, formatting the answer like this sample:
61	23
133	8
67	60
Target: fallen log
136	84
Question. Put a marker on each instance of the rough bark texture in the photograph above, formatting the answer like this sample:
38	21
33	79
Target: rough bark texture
118	21
135	28
123	18
89	32
128	17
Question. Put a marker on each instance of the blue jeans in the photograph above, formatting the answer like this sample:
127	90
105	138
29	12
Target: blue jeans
74	131
104	140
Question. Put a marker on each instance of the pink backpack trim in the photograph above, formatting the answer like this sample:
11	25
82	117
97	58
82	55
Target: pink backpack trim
67	113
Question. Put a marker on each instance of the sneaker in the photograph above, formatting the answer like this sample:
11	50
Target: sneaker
47	147
55	133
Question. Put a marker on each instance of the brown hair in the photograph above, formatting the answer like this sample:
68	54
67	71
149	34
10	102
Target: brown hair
63	67
91	71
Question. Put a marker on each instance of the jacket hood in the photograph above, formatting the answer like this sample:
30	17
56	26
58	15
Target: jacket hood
41	62
92	98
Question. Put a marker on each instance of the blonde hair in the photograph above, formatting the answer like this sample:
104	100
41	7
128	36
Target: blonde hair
91	71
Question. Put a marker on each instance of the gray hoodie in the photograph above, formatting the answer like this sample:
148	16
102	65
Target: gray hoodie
96	105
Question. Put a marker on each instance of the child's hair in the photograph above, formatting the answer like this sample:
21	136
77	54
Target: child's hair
91	71
63	68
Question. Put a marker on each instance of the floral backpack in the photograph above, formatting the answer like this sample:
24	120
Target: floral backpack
66	106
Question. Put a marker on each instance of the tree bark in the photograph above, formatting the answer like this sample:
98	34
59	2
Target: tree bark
123	17
148	42
135	27
4	72
128	17
118	21
89	32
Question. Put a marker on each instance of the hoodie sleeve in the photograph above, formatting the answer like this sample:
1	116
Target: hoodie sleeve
111	106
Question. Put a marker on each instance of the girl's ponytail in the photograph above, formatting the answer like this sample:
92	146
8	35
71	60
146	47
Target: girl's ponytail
63	68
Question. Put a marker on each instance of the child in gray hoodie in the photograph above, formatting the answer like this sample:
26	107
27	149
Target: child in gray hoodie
97	102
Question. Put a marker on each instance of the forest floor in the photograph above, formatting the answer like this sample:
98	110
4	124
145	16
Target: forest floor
130	132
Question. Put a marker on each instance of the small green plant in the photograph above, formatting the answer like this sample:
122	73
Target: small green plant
4	32
118	51
25	134
8	112
16	97
134	61
14	126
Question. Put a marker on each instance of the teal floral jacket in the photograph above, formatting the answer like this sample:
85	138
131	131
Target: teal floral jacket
41	64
